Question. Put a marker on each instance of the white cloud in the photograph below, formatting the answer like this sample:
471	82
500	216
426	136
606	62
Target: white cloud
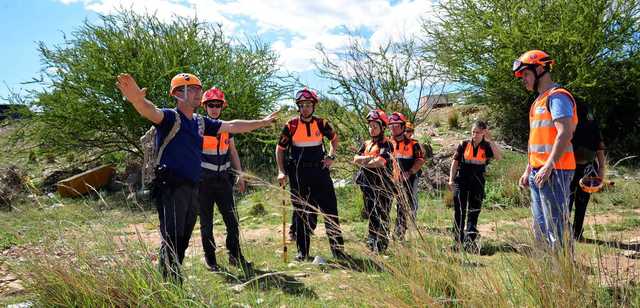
308	22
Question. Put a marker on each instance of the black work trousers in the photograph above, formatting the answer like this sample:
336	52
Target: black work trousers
218	190
467	202
581	200
377	205
177	209
406	204
312	193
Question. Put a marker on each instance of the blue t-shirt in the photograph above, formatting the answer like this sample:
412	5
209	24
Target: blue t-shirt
183	154
560	105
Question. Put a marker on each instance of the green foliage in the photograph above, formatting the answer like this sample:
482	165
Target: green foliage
83	110
596	44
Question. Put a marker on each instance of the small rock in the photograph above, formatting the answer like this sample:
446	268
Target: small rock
318	260
26	304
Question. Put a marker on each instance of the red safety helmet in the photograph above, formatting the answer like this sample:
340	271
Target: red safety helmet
214	94
591	184
378	116
306	95
396	118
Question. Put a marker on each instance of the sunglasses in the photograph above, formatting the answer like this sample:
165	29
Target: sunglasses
214	105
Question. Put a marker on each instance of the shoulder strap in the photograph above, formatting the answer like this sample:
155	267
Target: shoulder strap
200	124
169	137
293	126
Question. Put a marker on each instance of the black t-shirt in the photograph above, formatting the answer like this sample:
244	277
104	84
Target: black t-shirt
468	171
305	154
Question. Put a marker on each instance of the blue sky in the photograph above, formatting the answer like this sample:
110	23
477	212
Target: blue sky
293	27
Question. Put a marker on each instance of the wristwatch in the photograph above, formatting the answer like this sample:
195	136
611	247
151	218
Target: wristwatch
331	157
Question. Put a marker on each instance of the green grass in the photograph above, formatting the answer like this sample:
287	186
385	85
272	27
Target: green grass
71	255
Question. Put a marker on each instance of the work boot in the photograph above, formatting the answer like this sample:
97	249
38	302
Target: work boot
301	257
340	254
212	264
242	263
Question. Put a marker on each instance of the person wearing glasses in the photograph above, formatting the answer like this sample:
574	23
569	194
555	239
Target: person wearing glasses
307	167
220	165
178	170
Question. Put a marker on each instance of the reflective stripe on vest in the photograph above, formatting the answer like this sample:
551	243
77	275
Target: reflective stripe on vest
214	167
479	159
543	133
403	149
215	151
302	138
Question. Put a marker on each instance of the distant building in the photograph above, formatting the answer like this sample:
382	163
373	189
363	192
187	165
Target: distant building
439	100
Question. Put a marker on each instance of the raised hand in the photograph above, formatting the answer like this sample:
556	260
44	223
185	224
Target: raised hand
271	118
130	89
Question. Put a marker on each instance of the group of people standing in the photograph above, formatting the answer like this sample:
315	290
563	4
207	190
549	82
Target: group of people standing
198	166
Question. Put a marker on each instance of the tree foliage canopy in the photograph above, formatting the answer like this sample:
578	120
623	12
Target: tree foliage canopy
82	110
596	44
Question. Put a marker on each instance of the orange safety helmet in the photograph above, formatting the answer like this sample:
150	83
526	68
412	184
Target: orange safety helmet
531	59
591	184
214	94
397	117
378	116
184	79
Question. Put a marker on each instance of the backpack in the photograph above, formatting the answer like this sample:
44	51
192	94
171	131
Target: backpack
153	154
586	137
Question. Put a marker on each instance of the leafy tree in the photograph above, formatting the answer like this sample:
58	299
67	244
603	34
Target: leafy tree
387	77
81	109
595	43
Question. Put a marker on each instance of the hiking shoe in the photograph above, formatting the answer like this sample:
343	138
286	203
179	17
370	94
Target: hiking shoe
340	255
300	257
214	268
243	264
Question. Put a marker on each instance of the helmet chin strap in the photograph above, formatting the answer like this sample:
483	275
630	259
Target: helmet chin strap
537	80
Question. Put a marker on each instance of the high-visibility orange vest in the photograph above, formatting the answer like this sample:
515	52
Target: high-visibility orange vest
479	159
303	138
215	152
542	133
403	152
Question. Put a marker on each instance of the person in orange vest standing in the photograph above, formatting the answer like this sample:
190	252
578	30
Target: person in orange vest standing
220	165
409	159
375	179
552	121
309	178
466	180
